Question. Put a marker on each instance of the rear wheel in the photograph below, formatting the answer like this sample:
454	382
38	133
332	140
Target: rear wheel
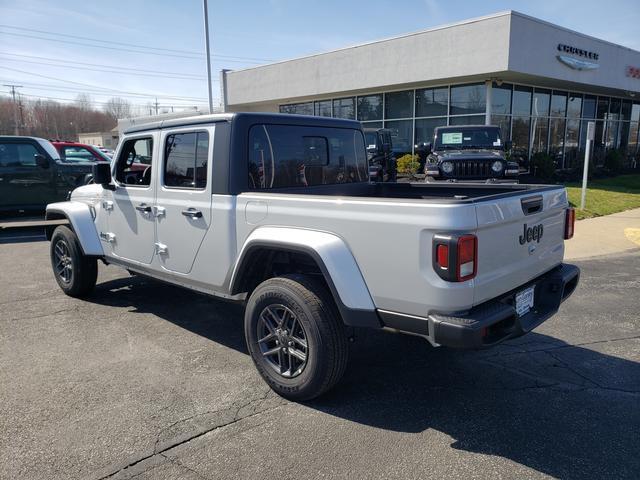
75	273
295	336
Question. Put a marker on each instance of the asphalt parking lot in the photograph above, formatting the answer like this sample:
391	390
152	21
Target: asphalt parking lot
149	381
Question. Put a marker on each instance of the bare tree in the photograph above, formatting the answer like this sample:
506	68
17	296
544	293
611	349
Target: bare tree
83	101
118	107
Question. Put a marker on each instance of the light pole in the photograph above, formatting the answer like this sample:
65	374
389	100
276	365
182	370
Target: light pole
206	43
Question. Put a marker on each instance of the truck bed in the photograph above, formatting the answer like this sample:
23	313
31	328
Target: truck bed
441	192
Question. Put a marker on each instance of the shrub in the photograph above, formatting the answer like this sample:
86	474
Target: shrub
408	164
614	161
543	166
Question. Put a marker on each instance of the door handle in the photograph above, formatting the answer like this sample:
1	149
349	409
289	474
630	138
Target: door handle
192	212
144	208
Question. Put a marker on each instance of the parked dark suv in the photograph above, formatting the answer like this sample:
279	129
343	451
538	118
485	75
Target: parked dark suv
470	152
382	161
33	175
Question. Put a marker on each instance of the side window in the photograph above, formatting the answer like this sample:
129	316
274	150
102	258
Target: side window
185	160
134	162
77	154
17	155
298	156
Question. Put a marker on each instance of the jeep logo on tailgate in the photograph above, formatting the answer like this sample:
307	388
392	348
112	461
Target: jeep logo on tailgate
531	233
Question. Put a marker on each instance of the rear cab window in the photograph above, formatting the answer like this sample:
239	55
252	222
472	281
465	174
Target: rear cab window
296	156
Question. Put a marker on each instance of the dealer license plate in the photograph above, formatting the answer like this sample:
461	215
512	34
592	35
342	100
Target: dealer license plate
524	301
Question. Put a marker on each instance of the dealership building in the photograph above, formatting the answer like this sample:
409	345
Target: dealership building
541	83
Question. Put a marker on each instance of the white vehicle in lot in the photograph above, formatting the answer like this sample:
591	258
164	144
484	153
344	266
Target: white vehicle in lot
277	211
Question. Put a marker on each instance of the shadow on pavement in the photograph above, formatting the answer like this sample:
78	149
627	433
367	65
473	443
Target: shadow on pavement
565	411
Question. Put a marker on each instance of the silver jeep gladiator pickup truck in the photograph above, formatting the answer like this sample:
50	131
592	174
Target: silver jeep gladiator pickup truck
277	211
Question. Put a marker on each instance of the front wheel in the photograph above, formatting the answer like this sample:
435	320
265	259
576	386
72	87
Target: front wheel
295	336
75	273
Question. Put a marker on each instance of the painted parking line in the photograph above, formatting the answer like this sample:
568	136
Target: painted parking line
633	234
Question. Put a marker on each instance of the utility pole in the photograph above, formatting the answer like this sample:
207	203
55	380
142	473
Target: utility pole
15	107
156	105
208	53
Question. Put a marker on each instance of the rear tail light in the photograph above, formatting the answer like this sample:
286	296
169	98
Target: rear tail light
569	223
455	257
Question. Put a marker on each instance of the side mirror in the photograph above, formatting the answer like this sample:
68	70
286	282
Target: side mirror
41	161
507	145
102	175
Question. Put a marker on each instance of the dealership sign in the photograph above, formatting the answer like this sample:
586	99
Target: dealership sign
568	54
633	72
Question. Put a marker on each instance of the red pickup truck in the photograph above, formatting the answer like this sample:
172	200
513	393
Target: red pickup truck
79	152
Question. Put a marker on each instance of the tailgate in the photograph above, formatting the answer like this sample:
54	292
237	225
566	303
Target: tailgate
511	250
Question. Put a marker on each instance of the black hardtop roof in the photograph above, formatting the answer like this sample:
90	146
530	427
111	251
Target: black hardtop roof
465	127
245	118
21	137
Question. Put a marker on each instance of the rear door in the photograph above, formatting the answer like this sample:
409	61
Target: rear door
519	238
184	198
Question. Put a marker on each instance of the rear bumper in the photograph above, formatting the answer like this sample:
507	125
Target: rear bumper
496	320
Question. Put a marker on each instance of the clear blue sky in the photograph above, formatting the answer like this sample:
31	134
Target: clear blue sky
246	33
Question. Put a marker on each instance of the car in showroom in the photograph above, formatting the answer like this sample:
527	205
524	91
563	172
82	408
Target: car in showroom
468	153
33	174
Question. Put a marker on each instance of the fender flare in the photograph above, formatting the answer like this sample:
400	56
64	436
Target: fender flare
81	220
335	260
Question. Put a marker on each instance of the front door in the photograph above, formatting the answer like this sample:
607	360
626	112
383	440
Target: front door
183	202
131	221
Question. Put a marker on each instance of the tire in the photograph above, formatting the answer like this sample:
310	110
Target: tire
81	272
307	302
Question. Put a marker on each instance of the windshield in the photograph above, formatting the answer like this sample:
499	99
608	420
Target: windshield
468	138
370	139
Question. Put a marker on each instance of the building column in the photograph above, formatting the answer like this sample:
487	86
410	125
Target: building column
487	115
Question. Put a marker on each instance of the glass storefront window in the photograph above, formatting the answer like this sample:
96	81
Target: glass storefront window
344	108
614	108
598	143
539	131
572	147
556	140
635	112
626	111
623	138
603	108
501	98
558	104
504	122
520	139
372	124
298	108
401	135
370	107
521	100
612	134
589	107
632	146
426	126
398	104
540	105
574	106
467	120
432	102
322	108
468	99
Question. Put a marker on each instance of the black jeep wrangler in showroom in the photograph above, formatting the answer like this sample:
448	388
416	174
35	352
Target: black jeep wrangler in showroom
469	152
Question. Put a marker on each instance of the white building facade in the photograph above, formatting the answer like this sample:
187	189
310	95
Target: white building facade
539	82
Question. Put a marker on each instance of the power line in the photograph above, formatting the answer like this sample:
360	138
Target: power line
189	52
58	88
94	102
118	72
124	49
93	86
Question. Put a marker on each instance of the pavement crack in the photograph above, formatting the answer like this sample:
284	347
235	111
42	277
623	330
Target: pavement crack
175	461
158	451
